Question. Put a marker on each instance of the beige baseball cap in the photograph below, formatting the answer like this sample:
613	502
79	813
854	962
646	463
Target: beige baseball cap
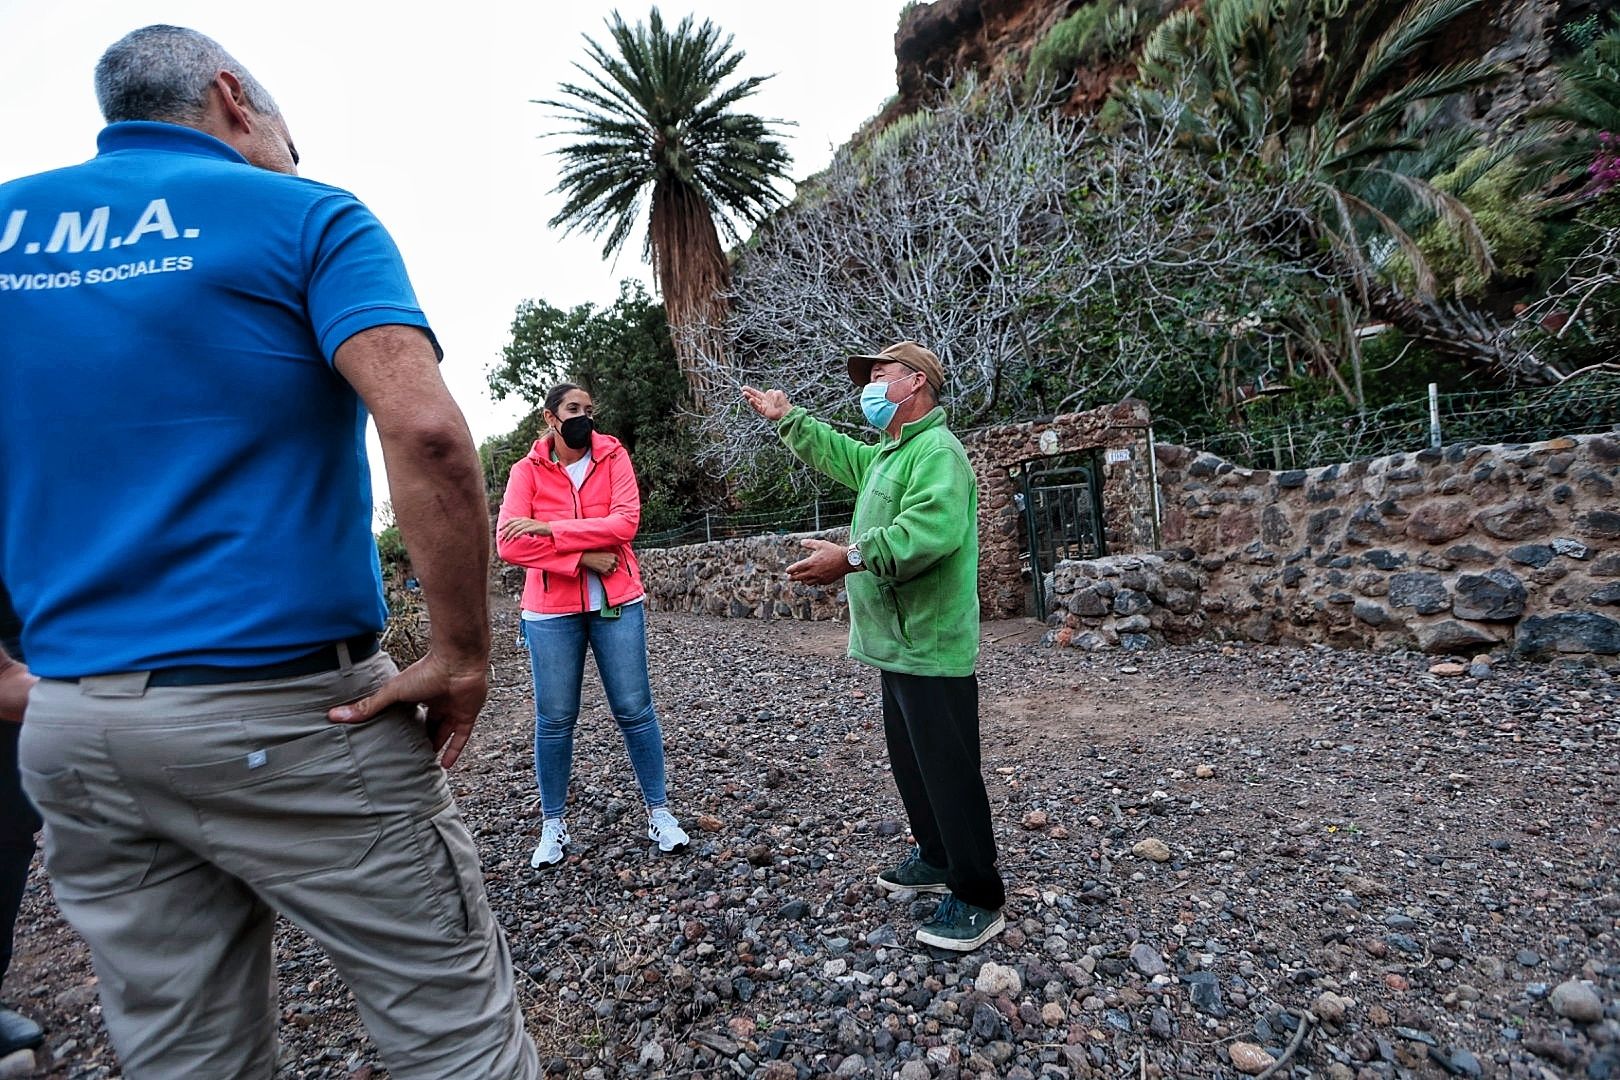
909	353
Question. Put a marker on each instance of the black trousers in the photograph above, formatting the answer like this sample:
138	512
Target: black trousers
931	723
18	823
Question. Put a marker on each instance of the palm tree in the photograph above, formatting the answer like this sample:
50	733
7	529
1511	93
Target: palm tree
1327	98
652	123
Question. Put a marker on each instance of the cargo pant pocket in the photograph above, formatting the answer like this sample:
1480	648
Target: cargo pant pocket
86	854
282	812
449	860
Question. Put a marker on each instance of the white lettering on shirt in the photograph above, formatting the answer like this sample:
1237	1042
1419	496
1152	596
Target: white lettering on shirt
77	231
69	279
156	218
14	224
78	236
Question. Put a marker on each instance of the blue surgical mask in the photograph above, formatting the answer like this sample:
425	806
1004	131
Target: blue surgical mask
878	408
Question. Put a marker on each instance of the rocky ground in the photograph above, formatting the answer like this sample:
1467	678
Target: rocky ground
1217	855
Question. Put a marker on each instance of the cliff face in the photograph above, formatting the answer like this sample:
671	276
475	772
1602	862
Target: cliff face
990	38
1521	35
950	38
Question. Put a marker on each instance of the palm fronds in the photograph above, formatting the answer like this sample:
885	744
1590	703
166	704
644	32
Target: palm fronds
654	128
652	110
1587	105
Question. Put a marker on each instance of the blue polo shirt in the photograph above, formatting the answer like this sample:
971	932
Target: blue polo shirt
183	475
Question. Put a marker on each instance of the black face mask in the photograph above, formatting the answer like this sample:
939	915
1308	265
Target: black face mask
576	432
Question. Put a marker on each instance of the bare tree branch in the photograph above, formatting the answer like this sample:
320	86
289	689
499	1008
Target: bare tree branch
1049	263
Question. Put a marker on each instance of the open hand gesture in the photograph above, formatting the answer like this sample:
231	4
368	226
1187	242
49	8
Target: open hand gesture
826	563
771	404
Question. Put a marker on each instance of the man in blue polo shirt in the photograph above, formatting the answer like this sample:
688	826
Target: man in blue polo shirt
191	339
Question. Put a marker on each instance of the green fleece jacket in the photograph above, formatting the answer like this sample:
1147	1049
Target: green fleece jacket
915	607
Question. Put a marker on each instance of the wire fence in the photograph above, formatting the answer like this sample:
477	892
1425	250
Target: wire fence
1290	440
720	524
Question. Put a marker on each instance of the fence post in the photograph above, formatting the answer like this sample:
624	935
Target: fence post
818	513
708	530
1434	416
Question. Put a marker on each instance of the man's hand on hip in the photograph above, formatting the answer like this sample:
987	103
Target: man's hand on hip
453	695
438	496
826	563
15	683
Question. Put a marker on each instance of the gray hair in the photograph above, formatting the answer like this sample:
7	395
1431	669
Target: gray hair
163	73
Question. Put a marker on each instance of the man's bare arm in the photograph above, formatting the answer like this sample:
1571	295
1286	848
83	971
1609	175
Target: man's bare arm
437	488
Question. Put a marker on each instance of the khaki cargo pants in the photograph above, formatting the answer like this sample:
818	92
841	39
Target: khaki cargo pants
180	820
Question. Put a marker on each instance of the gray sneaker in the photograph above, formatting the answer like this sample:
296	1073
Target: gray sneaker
666	832
553	838
913	874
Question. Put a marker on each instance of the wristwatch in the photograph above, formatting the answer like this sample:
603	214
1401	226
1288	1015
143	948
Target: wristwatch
853	554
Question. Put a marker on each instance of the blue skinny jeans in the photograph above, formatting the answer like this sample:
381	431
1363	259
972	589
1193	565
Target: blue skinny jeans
557	661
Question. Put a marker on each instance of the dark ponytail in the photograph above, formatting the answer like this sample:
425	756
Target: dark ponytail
554	398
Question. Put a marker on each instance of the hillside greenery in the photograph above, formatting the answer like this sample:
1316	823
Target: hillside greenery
1276	224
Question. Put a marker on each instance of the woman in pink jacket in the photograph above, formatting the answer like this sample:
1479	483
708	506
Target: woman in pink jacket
570	511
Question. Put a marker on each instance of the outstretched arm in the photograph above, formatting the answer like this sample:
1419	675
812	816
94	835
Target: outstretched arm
816	444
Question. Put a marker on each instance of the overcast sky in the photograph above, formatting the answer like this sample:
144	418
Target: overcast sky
424	112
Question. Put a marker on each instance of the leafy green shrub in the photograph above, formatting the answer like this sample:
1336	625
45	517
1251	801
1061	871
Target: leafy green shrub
1582	32
1585	104
499	453
1071	42
1511	224
902	131
396	561
1398	369
1099	31
1583	265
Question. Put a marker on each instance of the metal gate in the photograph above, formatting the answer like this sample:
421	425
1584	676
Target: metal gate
1062	502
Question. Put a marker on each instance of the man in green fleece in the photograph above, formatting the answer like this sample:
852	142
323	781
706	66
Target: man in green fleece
912	578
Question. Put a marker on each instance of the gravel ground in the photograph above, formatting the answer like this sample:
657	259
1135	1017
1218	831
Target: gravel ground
1215	854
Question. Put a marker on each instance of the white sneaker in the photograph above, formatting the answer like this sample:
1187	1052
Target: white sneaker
553	838
662	827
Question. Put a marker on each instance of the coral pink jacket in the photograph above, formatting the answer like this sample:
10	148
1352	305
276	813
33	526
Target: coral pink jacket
602	515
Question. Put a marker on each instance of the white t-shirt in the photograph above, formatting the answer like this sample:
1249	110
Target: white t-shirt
597	595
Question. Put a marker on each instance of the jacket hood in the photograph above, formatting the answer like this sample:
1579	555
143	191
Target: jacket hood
602	447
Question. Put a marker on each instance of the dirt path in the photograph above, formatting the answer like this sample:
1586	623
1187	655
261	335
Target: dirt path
1439	853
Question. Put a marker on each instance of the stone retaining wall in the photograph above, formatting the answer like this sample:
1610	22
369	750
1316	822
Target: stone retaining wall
1460	550
1132	601
740	579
